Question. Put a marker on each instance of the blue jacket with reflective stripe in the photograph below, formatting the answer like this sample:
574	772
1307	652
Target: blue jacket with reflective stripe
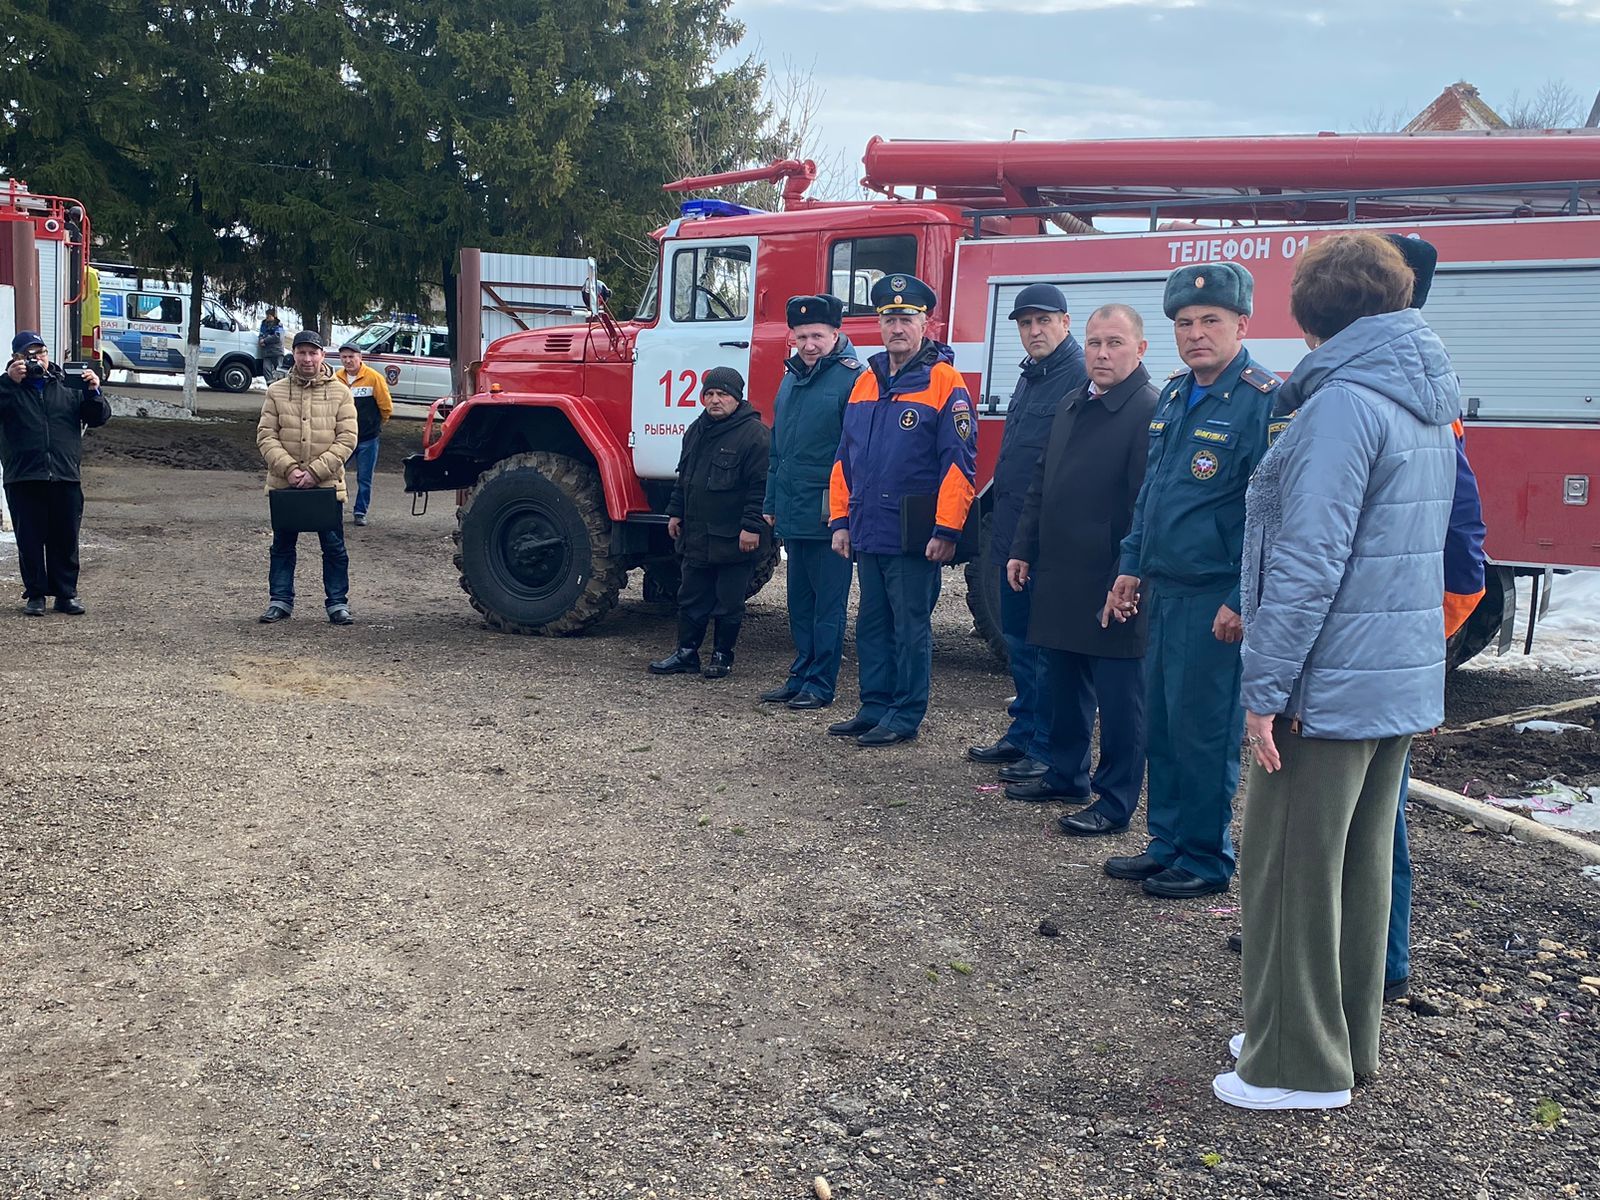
910	434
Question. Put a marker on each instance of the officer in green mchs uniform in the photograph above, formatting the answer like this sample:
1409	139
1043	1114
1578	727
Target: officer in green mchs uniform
1181	557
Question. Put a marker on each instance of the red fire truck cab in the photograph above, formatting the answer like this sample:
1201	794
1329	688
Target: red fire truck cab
565	452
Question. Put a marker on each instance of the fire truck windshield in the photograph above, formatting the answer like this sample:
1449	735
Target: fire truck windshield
651	296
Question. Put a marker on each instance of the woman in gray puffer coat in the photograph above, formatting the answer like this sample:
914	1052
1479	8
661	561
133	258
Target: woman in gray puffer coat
1343	662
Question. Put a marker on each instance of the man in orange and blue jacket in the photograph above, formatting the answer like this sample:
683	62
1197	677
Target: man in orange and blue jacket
898	498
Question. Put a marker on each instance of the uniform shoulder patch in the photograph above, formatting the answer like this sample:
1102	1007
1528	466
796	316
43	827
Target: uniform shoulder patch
1179	371
850	364
1262	381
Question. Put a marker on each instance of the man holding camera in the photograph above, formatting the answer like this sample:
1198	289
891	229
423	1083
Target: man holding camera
42	416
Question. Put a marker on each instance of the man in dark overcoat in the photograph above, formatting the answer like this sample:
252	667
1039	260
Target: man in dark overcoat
1067	544
714	518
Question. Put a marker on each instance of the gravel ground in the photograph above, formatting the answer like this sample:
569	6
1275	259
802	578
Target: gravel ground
412	909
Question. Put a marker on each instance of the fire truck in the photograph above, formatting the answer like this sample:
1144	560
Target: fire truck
42	271
564	451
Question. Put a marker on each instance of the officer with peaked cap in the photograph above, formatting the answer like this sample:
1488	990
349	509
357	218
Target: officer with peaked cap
1180	561
899	495
806	419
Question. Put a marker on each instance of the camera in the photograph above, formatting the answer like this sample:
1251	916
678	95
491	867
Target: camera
35	368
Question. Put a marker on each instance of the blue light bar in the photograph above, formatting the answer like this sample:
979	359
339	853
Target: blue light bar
716	208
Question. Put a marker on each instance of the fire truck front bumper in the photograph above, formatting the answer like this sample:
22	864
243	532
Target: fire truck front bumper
447	473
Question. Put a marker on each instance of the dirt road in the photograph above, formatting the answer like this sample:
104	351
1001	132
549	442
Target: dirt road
412	909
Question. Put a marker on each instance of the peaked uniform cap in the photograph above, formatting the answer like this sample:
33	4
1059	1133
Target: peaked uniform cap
903	293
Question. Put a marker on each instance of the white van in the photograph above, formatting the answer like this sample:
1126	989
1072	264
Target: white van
144	325
414	360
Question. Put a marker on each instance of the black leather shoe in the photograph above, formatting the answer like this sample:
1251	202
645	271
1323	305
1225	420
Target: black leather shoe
1236	942
1177	884
1137	866
878	735
1090	823
1023	770
339	614
1000	752
276	612
854	727
685	660
778	695
34	607
1039	792
1396	989
72	606
720	666
806	700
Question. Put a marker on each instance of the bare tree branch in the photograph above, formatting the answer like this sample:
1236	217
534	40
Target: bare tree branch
1555	105
1382	119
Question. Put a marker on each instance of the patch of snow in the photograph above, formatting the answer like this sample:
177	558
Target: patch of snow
1566	638
151	408
1557	804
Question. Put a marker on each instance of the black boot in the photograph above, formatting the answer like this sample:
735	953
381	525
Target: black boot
685	660
722	643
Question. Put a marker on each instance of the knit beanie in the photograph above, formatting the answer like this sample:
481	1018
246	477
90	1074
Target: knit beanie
724	379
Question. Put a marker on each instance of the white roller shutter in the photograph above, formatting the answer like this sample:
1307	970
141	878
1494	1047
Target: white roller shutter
50	297
1004	365
1525	342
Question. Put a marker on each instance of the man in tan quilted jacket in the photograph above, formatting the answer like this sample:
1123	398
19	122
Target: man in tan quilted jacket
307	432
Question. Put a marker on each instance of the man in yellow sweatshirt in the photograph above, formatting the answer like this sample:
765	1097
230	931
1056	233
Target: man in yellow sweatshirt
373	408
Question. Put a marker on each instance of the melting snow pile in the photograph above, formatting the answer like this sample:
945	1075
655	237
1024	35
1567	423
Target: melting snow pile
1567	638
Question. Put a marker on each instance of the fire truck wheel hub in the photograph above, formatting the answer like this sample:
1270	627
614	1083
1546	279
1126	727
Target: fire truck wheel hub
535	551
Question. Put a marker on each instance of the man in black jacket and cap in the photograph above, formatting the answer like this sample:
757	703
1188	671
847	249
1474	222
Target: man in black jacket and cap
714	517
1067	545
1052	370
42	416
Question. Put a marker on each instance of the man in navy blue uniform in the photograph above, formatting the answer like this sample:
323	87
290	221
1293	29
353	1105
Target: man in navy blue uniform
1053	369
1181	560
900	491
806	419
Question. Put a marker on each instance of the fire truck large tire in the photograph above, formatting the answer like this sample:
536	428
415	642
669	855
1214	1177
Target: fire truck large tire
765	566
1482	627
533	545
983	597
661	582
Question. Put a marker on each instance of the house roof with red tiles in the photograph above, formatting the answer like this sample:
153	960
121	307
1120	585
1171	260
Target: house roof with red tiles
1458	108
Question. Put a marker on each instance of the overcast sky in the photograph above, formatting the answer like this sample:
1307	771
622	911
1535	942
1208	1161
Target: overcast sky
1151	68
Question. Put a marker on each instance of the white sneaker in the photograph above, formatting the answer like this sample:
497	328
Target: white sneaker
1230	1089
1236	1045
